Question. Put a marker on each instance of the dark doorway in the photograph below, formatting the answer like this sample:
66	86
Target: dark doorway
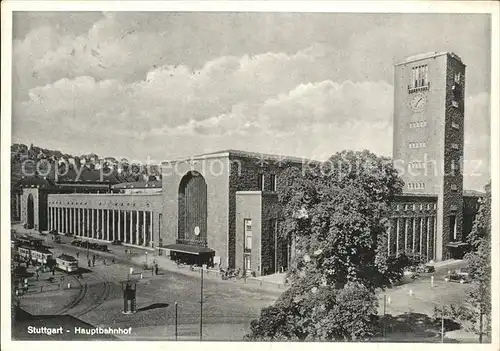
31	212
192	209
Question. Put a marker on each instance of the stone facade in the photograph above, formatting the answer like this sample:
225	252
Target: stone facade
236	187
134	218
428	137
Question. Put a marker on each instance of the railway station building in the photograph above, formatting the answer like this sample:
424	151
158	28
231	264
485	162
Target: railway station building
221	208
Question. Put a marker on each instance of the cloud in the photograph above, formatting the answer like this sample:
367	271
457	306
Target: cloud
167	85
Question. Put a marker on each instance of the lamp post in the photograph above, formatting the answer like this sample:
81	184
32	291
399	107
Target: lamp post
201	306
384	320
176	321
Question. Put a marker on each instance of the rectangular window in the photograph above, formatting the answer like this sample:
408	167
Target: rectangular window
248	234
419	77
453	227
273	182
261	181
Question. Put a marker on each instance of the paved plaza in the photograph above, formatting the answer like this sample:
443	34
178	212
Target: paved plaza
228	306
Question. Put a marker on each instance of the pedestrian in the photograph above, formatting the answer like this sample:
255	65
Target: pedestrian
93	260
54	270
156	270
77	255
90	262
37	274
104	262
113	261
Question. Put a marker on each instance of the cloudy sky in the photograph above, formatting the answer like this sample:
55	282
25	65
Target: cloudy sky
164	85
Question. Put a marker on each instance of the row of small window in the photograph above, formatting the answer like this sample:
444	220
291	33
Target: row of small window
423	124
417	165
419	124
417	145
415	207
421	165
416	185
262	182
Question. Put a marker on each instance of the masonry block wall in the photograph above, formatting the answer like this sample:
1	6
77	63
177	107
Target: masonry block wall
215	171
272	245
249	207
246	169
452	188
428	136
34	192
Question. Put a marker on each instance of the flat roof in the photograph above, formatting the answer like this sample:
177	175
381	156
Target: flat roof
243	153
427	55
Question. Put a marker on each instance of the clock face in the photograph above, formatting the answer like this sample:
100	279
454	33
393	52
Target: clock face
417	102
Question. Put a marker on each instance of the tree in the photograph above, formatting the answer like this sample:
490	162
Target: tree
475	313
318	314
336	214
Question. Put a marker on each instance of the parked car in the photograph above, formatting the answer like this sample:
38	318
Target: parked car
76	243
425	268
457	278
410	272
116	242
103	248
463	272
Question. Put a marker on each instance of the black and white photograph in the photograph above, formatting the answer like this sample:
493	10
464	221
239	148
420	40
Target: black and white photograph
250	173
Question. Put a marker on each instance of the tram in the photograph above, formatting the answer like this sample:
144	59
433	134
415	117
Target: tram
34	254
67	263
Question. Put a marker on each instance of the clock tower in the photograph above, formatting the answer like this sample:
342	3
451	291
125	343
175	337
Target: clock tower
429	136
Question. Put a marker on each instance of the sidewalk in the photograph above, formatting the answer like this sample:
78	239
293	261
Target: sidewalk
272	283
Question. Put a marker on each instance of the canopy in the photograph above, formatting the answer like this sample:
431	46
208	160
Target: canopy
189	249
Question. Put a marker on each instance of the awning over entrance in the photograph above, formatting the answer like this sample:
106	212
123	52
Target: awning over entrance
189	249
457	244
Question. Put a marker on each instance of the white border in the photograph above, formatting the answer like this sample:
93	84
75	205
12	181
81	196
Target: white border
491	7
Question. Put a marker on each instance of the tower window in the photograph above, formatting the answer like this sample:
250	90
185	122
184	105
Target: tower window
260	180
419	77
248	234
453	227
273	182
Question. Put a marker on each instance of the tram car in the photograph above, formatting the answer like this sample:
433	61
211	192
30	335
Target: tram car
34	254
67	263
29	241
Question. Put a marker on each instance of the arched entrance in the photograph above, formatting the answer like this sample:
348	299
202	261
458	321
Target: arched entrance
192	209
30	212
